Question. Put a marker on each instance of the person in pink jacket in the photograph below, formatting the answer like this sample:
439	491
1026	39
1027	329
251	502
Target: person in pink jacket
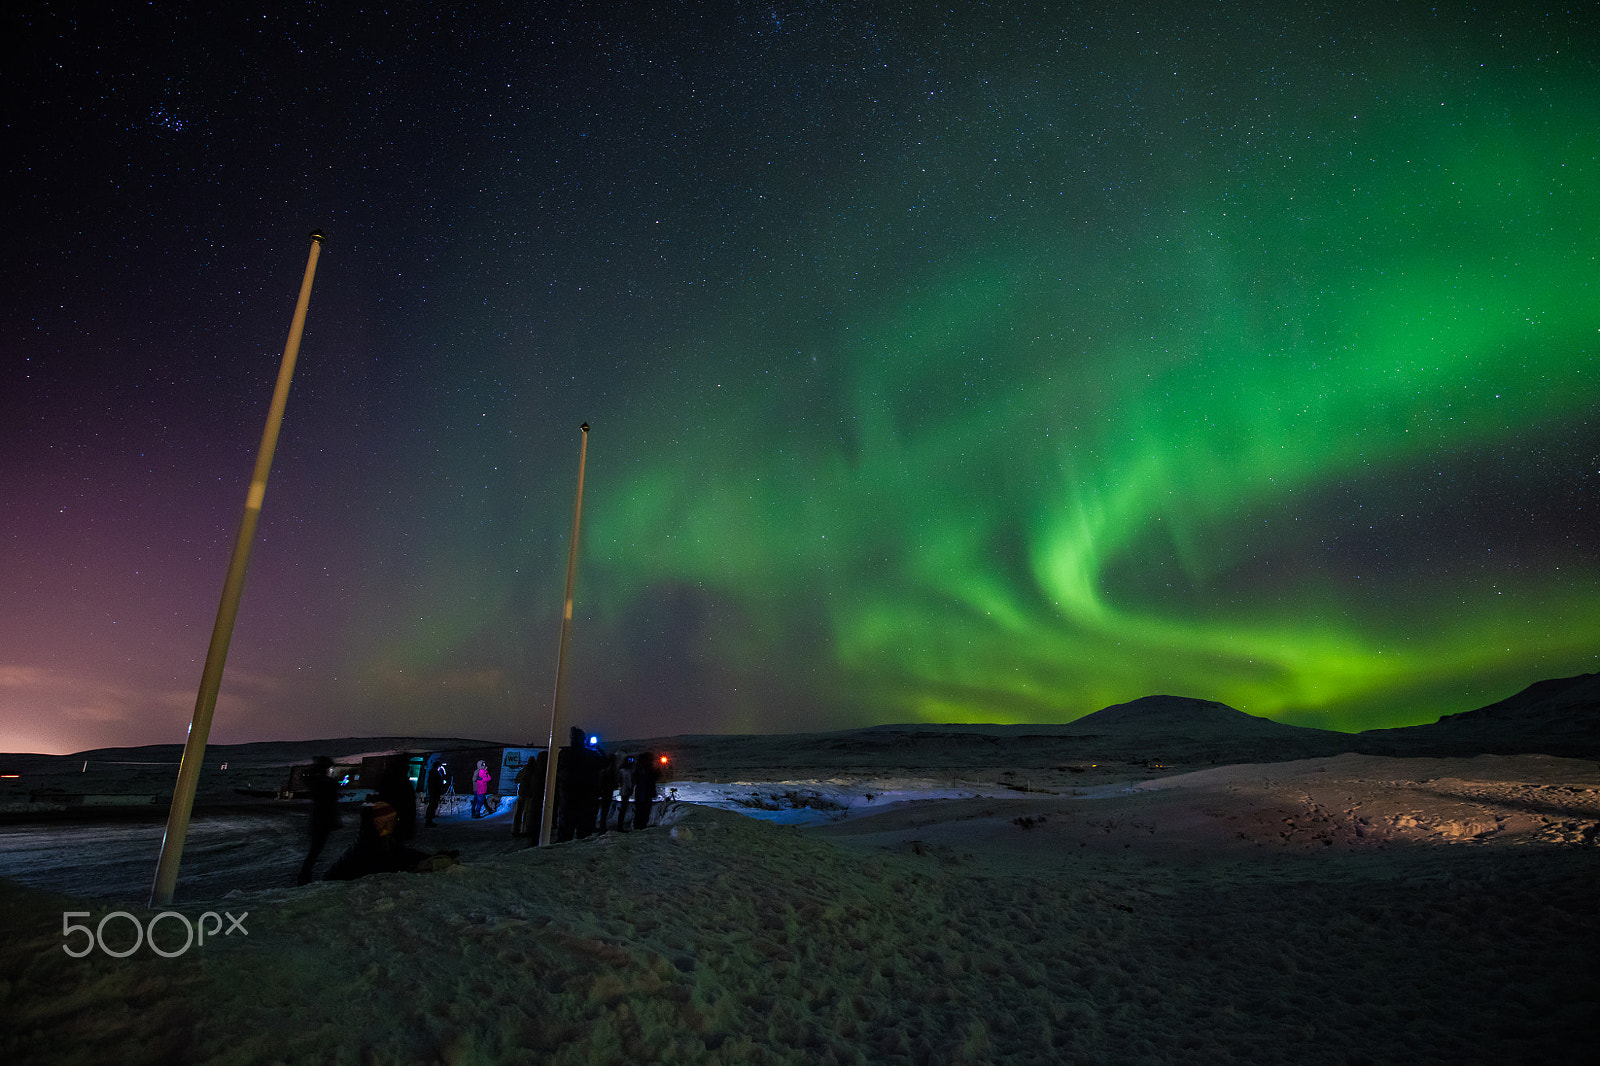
480	790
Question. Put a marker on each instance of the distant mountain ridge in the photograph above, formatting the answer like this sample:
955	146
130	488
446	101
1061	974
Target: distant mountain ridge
1542	700
267	751
1559	716
1186	716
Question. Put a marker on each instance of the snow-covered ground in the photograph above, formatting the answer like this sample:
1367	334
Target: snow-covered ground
262	847
819	802
1328	911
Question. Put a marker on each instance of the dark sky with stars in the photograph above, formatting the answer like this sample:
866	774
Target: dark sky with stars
973	362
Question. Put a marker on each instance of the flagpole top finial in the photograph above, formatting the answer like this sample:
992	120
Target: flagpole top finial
584	427
317	236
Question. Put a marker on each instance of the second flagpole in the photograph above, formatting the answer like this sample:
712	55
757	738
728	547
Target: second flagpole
548	819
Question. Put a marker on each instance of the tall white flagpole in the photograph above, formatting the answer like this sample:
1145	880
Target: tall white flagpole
205	704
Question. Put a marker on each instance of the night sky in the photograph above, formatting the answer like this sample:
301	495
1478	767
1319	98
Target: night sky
944	362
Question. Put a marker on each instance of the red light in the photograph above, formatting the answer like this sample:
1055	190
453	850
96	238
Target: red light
663	759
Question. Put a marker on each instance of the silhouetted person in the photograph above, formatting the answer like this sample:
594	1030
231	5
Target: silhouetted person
324	812
519	809
577	788
534	786
624	791
608	786
530	799
396	790
438	782
646	772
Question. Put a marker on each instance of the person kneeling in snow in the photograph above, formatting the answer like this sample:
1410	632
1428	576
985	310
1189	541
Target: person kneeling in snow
378	848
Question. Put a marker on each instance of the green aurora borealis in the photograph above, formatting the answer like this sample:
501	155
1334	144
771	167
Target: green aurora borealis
997	363
1307	445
